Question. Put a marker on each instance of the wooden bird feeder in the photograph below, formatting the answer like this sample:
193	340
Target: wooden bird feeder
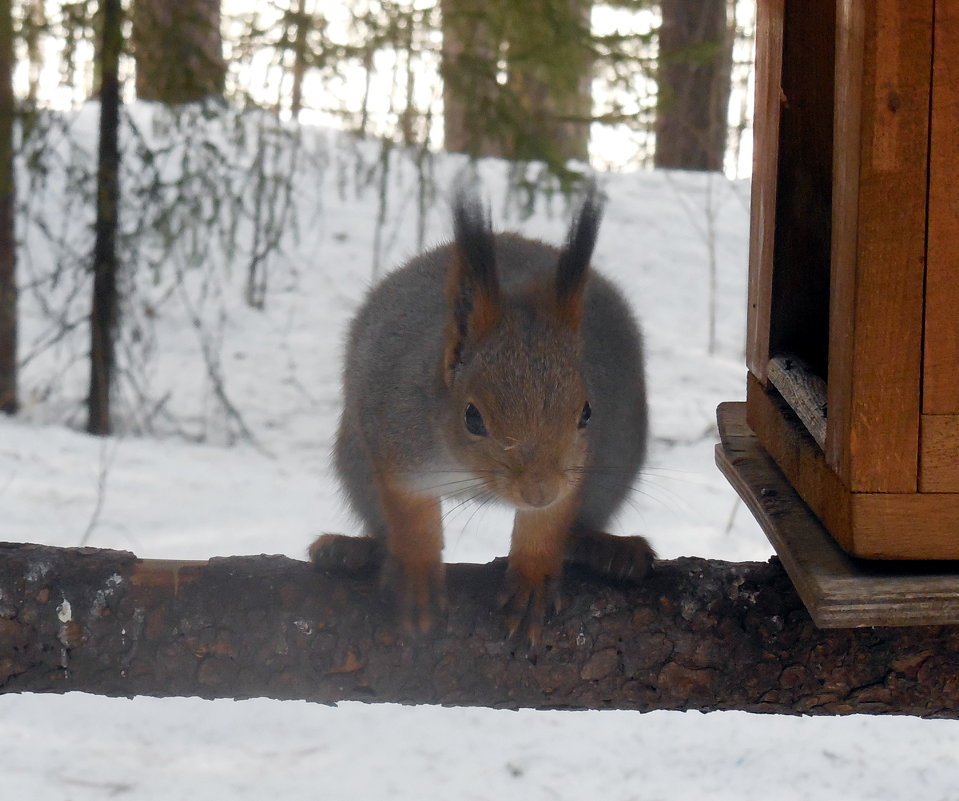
853	327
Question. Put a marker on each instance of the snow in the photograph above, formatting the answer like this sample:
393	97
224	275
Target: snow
197	487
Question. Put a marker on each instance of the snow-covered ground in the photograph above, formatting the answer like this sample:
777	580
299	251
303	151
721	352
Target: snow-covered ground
199	488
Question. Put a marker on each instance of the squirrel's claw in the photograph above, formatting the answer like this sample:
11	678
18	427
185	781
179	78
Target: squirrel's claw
526	604
628	559
419	592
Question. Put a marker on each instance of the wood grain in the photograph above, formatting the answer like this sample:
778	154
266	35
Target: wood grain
939	451
837	589
869	525
941	353
906	526
762	227
803	390
798	456
847	133
884	57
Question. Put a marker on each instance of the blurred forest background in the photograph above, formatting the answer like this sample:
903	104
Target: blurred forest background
557	87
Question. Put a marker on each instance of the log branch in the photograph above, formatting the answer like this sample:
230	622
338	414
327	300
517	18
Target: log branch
698	634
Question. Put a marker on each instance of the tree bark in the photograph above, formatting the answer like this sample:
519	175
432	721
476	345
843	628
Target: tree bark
695	59
178	50
550	76
8	242
471	43
103	314
302	22
698	634
543	108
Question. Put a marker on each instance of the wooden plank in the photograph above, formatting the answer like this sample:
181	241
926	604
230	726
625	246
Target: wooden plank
906	526
939	453
800	458
769	49
847	135
879	243
869	525
803	390
838	590
940	386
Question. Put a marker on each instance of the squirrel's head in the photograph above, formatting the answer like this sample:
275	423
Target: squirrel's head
512	363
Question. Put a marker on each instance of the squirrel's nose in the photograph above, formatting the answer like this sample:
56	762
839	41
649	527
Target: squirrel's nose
539	492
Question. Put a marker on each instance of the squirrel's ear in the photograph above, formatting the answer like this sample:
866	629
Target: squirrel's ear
573	264
473	283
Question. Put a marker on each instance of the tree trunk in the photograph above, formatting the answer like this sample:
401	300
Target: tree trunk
697	634
103	315
543	108
469	65
695	60
302	21
550	75
8	242
178	50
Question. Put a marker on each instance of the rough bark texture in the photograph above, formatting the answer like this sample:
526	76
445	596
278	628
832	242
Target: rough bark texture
178	50
8	247
468	66
698	634
695	58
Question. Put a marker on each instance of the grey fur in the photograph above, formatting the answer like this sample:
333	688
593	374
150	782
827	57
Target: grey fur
399	409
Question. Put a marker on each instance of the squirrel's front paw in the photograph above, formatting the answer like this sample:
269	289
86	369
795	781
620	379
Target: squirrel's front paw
419	590
338	553
526	602
618	558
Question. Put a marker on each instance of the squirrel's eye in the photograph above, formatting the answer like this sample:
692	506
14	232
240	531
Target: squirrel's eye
586	414
474	421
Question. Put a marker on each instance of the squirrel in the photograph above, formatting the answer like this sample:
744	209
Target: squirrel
495	367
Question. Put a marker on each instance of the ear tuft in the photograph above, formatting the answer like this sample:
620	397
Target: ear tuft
473	289
473	239
573	265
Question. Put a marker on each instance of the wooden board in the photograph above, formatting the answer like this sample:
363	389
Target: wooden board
838	590
769	52
914	526
941	353
906	526
939	453
883	67
803	390
801	459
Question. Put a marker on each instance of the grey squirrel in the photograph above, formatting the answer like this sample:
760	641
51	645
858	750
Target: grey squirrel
492	367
